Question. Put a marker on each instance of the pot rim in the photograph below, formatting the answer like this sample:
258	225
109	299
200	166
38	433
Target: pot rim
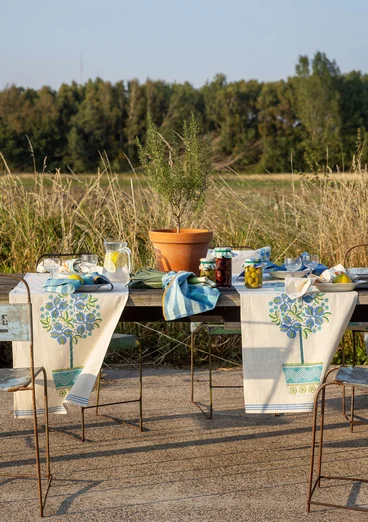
186	235
182	231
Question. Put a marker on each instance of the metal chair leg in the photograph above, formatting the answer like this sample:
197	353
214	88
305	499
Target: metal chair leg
313	448
98	390
352	408
210	377
192	335
352	403
83	430
37	447
323	400
46	414
140	388
343	388
312	487
98	405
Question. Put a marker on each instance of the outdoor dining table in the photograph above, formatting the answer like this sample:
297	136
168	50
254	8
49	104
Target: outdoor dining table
145	305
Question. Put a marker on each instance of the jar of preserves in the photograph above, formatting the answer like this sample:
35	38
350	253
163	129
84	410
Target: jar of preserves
207	268
223	259
253	273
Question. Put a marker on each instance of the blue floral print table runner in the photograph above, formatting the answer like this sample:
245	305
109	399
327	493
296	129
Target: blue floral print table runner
288	344
71	335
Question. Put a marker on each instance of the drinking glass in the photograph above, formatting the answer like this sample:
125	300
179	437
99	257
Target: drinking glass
311	261
293	264
89	261
52	264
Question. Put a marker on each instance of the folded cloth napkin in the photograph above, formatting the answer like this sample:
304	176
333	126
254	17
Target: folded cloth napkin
62	286
65	285
146	278
182	299
151	278
297	286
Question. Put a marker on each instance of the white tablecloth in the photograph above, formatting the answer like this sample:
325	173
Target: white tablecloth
71	337
288	344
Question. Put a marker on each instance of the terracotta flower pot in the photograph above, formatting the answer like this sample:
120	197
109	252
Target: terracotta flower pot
180	251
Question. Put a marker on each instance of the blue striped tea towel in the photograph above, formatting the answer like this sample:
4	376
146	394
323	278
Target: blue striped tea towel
182	299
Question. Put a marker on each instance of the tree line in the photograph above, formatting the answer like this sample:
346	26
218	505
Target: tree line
304	122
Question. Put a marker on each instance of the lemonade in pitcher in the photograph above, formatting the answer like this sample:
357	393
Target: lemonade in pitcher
117	263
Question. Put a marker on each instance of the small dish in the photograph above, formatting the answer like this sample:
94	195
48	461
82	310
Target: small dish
95	288
281	274
335	287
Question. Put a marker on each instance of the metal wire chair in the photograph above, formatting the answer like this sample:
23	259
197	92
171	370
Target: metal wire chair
16	325
352	376
214	330
355	328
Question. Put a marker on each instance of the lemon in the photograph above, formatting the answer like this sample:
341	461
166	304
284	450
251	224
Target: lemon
120	259
109	265
114	260
342	278
76	276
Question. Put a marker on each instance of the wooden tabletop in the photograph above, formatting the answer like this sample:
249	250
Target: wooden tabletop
137	297
146	305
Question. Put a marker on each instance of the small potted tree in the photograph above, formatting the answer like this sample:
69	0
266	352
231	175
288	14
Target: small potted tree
179	172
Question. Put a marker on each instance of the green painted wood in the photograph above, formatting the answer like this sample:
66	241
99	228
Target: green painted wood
14	322
218	330
121	342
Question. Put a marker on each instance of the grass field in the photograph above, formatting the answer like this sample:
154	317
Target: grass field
292	214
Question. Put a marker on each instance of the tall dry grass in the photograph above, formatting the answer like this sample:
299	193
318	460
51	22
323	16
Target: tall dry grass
325	214
57	213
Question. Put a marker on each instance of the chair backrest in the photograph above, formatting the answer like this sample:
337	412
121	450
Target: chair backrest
16	320
348	252
72	255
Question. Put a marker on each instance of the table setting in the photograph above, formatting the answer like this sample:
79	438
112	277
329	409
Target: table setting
291	329
291	323
75	312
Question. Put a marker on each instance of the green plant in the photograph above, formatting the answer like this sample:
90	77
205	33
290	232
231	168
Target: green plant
179	171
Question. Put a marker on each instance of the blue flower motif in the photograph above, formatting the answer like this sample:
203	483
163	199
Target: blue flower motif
69	318
291	328
283	301
299	316
309	323
81	329
56	307
316	313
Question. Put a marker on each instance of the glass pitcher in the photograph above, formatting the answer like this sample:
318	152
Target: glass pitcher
117	263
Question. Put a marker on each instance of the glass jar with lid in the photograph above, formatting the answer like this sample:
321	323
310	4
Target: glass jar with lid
253	277
223	259
207	268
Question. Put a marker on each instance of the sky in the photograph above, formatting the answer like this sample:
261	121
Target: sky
44	42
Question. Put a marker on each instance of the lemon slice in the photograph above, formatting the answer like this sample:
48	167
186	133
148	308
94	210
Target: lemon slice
120	260
109	264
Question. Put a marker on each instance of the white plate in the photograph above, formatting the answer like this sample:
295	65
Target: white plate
281	274
335	287
95	288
